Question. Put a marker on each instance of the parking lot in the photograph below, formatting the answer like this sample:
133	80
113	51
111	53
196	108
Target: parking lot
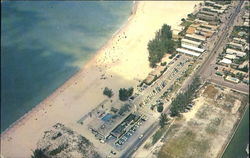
134	132
150	94
123	139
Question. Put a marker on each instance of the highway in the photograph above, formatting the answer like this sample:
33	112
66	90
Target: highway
202	70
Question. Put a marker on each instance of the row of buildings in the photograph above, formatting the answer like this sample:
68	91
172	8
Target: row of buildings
246	19
236	48
211	10
231	54
203	26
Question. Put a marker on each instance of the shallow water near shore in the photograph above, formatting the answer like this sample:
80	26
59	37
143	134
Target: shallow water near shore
45	43
238	144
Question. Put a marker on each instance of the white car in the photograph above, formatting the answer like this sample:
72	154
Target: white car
140	137
101	141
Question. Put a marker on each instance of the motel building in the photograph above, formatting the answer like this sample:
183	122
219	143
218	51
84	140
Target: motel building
236	46
190	42
232	79
195	37
236	52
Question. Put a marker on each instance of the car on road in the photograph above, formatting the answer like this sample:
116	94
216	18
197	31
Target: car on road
140	137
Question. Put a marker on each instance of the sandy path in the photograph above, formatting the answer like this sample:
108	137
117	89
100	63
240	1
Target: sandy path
123	60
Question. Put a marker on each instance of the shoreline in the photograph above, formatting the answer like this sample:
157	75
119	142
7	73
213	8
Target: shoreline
231	136
74	77
121	61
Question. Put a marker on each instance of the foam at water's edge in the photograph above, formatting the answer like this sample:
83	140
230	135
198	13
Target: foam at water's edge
57	75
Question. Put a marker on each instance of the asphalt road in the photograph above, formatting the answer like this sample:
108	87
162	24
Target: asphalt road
238	87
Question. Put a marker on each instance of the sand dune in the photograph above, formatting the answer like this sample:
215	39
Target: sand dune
123	61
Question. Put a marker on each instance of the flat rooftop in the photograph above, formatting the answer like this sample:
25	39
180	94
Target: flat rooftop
190	41
200	50
194	36
185	51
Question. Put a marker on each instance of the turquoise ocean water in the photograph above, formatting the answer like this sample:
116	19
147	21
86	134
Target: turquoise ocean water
44	43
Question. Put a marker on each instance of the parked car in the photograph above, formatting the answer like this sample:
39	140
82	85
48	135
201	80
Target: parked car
112	152
129	133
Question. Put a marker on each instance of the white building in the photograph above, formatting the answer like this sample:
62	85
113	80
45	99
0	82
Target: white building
236	52
246	23
220	11
226	61
239	40
218	5
212	9
209	3
196	49
232	79
190	42
230	56
236	45
185	51
196	37
207	7
201	21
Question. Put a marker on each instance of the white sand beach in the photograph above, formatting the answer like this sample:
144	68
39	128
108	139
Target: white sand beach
123	61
